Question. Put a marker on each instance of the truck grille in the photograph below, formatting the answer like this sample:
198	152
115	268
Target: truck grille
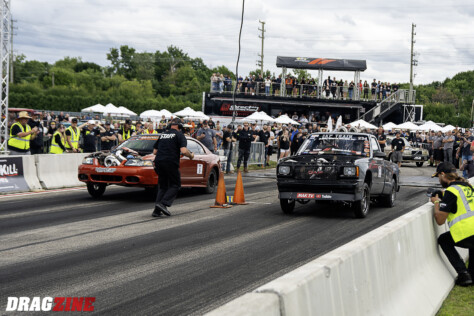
316	172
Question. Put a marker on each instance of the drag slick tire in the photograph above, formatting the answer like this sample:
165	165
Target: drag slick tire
287	206
96	190
361	208
211	182
389	199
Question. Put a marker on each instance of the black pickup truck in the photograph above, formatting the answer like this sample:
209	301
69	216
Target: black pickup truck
339	166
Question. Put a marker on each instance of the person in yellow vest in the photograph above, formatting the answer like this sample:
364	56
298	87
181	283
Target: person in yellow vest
149	128
20	135
457	208
73	133
126	131
58	141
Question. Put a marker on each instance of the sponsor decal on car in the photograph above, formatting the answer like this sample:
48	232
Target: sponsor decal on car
105	170
305	195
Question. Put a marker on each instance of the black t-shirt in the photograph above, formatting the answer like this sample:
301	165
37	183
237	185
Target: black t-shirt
398	144
374	85
264	136
107	144
169	146
225	143
382	137
211	124
90	139
448	203
58	139
284	144
245	139
466	149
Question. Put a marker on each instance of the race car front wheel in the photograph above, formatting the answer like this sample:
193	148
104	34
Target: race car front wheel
361	208
287	206
96	189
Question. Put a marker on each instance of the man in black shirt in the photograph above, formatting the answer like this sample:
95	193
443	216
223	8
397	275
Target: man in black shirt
381	138
264	136
36	144
167	150
245	139
398	146
90	136
108	138
227	140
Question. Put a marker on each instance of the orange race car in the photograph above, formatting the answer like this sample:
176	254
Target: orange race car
131	164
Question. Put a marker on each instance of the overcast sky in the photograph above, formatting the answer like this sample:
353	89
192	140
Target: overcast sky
376	31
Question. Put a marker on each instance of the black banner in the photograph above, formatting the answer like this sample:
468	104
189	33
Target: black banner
321	63
11	175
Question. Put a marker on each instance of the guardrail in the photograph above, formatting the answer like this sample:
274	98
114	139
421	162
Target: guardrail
396	269
400	96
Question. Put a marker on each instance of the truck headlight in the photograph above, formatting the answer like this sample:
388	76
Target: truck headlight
139	163
351	171
88	161
284	170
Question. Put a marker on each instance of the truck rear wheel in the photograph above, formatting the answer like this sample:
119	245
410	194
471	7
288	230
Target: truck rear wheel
389	199
287	206
361	208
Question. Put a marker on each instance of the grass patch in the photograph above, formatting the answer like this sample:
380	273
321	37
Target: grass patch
272	164
460	302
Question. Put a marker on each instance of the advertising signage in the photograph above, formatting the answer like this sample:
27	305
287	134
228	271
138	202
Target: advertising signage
11	175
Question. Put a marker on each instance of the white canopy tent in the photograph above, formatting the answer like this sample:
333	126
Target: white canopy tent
201	115
151	114
186	112
166	113
448	128
389	126
284	119
97	108
362	124
112	110
430	125
259	117
126	111
409	126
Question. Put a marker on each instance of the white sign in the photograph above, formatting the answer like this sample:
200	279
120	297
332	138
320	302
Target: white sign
199	169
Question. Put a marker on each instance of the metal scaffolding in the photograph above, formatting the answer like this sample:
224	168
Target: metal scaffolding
5	38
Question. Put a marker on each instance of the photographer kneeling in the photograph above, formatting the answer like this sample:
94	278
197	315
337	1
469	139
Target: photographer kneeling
457	207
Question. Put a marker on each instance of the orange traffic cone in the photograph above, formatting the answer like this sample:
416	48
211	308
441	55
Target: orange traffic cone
239	197
221	196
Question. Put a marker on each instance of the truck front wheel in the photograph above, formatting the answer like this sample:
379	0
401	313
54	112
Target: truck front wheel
287	206
361	208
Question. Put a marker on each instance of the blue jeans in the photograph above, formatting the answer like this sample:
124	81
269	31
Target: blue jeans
467	158
267	90
350	94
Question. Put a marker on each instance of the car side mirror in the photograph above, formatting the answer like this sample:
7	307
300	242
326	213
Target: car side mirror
379	154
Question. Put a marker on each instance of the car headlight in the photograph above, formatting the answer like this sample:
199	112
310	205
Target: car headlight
88	161
139	163
351	171
284	170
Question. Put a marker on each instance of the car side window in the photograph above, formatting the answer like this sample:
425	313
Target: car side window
195	147
375	144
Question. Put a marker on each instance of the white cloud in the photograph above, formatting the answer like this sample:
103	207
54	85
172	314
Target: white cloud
371	30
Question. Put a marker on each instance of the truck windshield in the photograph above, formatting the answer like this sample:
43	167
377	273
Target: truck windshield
334	144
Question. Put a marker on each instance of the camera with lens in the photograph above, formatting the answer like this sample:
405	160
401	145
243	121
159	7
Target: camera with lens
432	192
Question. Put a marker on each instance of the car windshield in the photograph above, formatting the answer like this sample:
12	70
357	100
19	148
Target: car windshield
336	144
142	144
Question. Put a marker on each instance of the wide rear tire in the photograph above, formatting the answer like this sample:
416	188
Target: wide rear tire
389	199
287	206
96	190
361	208
211	182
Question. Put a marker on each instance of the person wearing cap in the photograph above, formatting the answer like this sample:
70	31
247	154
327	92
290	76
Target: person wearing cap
90	136
36	144
227	140
20	135
107	138
58	141
167	150
126	132
207	136
456	206
398	146
73	134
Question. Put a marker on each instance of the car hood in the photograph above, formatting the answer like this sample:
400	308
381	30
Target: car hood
322	159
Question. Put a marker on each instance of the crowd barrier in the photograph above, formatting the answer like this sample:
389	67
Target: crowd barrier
396	269
58	171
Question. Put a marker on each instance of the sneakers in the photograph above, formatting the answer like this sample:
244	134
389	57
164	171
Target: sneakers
160	208
464	279
246	170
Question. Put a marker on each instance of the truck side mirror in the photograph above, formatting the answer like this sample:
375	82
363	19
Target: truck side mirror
379	154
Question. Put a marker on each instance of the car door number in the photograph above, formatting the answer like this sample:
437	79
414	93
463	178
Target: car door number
379	174
199	168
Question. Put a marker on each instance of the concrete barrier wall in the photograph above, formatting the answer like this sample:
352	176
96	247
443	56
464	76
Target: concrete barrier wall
58	171
396	269
29	173
262	304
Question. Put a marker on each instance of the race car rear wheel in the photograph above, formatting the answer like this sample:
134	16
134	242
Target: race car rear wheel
361	208
96	190
389	199
287	206
211	182
419	164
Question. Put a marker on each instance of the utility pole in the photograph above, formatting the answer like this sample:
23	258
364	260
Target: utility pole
260	62
12	57
413	62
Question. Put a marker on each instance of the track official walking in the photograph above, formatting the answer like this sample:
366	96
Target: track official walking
457	207
167	150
